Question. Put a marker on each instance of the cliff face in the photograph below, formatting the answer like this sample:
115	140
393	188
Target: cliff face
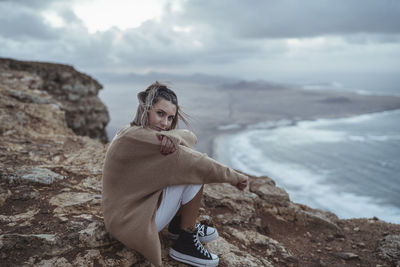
75	92
50	194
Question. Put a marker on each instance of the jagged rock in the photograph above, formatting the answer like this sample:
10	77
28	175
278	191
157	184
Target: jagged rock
265	188
315	217
26	217
38	175
346	255
225	197
230	255
70	199
4	195
74	91
95	235
29	98
389	248
253	238
37	244
57	261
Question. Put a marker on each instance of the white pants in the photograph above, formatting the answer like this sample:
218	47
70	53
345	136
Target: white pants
173	198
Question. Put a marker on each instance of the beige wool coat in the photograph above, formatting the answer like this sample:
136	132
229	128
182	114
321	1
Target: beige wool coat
135	174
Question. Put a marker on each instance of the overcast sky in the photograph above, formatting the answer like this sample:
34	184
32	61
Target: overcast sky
253	39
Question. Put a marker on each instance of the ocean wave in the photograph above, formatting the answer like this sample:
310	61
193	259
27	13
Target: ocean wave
286	150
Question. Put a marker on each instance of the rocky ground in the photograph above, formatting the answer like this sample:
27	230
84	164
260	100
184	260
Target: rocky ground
50	193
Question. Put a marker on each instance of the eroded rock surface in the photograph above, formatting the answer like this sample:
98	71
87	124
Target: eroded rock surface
71	91
50	197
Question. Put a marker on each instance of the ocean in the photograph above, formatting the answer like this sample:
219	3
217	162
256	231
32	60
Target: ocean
349	166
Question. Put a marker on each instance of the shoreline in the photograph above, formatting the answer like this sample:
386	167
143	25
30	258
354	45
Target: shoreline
388	212
243	127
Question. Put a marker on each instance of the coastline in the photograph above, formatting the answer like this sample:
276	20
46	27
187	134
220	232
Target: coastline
213	107
381	206
220	133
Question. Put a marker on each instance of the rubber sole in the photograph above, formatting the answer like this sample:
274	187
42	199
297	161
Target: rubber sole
192	260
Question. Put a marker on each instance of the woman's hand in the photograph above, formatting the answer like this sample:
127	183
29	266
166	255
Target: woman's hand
243	184
167	146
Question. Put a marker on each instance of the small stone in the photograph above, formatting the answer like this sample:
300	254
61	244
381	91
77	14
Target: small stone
330	238
356	229
220	216
361	245
346	255
63	219
308	234
340	235
39	175
258	222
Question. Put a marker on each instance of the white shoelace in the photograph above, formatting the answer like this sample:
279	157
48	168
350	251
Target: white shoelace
200	229
200	247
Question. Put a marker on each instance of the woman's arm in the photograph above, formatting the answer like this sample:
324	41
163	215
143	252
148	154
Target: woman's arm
167	145
188	139
193	167
170	140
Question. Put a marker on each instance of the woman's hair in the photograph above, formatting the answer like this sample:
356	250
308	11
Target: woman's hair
152	95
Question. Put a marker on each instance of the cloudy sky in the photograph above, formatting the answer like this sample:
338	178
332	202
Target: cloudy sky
255	39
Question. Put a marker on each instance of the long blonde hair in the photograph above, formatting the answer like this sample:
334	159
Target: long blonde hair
152	95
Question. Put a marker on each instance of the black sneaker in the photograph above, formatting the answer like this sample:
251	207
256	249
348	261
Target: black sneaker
189	250
206	233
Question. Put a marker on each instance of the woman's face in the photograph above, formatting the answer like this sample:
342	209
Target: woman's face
161	115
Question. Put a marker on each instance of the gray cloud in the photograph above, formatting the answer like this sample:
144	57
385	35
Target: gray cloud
229	37
292	18
18	22
37	4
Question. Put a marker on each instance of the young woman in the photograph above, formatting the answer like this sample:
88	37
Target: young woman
152	177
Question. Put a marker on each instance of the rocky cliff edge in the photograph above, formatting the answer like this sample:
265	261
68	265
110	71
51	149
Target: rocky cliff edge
50	192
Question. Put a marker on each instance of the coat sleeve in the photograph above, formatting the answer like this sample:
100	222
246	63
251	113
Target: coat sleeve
193	167
185	165
181	137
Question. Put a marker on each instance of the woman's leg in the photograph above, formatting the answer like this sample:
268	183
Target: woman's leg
190	211
188	247
173	198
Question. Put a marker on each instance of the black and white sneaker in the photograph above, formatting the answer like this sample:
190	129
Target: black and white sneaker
206	233
188	249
